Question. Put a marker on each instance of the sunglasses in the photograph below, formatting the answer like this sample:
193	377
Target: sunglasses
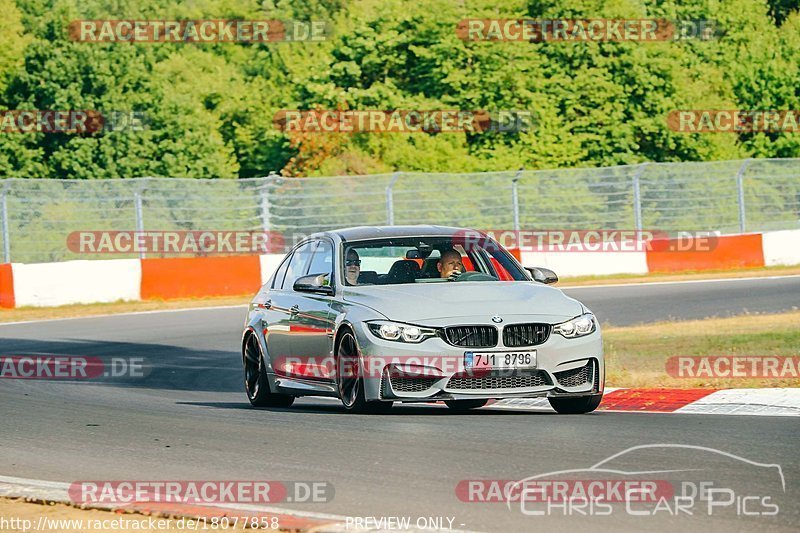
351	262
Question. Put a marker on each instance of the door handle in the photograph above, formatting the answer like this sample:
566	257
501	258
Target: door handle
294	310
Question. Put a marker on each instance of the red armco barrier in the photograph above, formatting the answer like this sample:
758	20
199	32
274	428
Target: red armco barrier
198	277
730	251
6	286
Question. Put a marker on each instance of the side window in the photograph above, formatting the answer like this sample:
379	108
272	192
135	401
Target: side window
298	264
280	273
322	261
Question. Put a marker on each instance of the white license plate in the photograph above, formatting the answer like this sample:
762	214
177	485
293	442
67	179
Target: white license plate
492	360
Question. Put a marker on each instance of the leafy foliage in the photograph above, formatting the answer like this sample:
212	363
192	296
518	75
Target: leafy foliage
209	108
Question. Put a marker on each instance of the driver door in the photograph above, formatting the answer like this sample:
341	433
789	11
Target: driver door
283	306
311	328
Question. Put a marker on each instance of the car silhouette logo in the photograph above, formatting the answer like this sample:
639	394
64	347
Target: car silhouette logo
497	319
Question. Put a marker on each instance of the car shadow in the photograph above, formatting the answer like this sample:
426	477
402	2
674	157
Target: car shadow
407	409
159	366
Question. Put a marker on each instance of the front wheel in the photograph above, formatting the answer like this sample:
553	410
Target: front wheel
256	383
464	405
349	380
576	406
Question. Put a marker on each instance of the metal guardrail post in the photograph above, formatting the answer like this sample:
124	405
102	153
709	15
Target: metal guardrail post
137	200
637	197
390	199
266	223
740	193
515	197
4	222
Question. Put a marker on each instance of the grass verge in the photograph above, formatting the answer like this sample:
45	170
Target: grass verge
636	356
70	311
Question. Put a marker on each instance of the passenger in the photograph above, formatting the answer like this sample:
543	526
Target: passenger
450	265
352	267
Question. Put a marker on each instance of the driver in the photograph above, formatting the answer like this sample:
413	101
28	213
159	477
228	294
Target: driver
352	267
450	265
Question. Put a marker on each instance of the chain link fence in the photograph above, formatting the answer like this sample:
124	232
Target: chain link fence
36	216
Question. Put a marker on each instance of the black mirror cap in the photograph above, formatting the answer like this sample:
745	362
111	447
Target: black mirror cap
543	275
313	283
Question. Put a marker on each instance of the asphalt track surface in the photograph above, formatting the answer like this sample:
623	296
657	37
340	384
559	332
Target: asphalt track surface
189	420
625	305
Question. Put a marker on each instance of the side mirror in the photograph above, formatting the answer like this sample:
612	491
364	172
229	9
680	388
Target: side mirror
313	283
542	275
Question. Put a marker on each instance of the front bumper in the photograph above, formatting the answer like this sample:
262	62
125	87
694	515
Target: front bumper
434	370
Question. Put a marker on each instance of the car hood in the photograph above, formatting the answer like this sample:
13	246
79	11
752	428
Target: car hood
430	302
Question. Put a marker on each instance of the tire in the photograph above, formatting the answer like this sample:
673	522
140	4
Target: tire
256	384
461	406
350	382
576	406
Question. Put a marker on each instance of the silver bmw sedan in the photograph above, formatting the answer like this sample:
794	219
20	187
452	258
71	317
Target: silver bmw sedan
377	315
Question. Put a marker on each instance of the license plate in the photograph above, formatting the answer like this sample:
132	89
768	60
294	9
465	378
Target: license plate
492	360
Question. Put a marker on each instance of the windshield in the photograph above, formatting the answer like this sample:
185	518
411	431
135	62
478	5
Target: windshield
427	260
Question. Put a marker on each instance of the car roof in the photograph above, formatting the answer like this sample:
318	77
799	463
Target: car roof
377	232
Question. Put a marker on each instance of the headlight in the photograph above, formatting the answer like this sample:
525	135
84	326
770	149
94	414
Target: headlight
394	331
577	327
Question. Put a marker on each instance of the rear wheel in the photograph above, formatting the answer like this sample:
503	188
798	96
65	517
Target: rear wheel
256	383
349	380
576	406
465	405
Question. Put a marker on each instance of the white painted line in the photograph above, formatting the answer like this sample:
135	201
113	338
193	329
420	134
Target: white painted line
724	410
745	402
35	482
58	491
16	487
275	510
756	402
130	313
651	283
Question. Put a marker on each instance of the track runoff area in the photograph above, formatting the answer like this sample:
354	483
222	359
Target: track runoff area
136	386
